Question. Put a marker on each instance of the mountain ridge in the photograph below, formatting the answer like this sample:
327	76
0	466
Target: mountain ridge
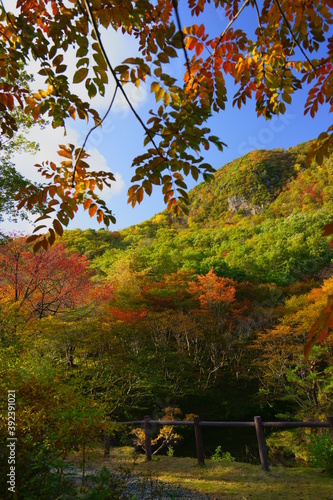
260	220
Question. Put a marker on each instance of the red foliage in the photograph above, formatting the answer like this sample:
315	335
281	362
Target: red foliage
212	291
129	317
46	281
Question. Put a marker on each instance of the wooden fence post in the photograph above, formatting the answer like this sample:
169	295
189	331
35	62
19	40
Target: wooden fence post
261	443
147	437
198	441
330	422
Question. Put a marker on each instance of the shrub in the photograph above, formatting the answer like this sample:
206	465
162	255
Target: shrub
222	456
321	451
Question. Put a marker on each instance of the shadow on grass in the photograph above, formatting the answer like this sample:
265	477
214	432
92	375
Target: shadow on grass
227	480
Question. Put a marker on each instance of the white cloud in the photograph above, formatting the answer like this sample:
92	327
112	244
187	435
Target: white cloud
8	227
98	163
49	139
137	96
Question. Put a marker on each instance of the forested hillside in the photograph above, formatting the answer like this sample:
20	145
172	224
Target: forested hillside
208	312
260	220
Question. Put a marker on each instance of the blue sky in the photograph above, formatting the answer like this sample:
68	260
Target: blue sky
121	138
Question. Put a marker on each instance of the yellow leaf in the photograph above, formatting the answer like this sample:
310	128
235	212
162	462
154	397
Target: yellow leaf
159	94
166	99
154	87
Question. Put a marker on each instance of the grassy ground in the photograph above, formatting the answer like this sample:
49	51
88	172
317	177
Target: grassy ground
226	480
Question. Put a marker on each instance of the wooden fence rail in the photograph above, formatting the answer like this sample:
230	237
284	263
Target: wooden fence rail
257	423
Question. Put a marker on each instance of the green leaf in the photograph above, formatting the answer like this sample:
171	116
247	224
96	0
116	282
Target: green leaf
82	51
80	75
177	40
100	60
286	97
92	90
84	61
61	68
163	57
57	60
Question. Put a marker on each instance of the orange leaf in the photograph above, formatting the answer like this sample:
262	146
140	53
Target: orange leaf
52	191
51	238
64	153
100	216
139	195
35	112
37	246
328	229
92	210
87	203
319	329
32	238
198	49
45	244
200	31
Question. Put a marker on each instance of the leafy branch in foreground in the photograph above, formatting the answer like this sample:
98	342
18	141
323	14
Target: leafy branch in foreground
62	198
269	66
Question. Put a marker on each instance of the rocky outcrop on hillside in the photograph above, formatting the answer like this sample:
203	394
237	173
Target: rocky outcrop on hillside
238	203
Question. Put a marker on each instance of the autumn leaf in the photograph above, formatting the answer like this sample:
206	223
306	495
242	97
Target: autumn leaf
319	329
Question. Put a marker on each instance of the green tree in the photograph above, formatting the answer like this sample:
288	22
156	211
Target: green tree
11	181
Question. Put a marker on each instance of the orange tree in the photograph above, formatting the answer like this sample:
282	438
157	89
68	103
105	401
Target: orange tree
284	375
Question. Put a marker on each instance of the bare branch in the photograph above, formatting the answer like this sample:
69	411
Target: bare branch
258	13
231	22
90	131
175	6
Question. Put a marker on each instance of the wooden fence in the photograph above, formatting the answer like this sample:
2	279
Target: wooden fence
257	423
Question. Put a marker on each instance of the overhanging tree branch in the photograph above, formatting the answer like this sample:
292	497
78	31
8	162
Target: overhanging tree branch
293	36
118	83
175	6
230	23
90	131
31	47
